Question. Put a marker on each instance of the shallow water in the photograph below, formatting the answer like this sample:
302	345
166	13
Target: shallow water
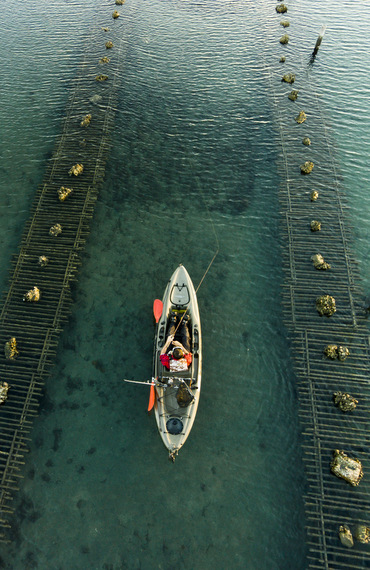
193	156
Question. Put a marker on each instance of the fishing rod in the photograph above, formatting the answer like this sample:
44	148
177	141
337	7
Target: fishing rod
145	383
156	382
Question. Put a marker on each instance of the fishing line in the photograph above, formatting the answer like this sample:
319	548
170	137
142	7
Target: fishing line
200	191
199	187
215	234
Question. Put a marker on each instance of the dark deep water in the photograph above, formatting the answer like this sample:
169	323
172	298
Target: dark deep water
193	149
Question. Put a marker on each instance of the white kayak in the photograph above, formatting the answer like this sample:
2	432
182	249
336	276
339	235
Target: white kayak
177	392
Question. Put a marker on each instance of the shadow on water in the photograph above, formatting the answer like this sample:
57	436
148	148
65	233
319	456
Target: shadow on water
160	160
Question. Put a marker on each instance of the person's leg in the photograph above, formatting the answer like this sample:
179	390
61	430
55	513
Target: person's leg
172	324
184	334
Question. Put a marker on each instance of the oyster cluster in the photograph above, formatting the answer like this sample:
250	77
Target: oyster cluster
345	536
343	353
333	351
115	15
344	402
300	118
63	193
314	195
281	8
10	349
307	167
325	305
55	230
288	78
109	45
43	261
282	59
284	39
95	99
315	226
104	60
86	121
361	534
285	23
306	141
33	295
346	468
76	170
101	77
120	2
293	95
4	387
319	262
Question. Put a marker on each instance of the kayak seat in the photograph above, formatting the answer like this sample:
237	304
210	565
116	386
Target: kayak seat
181	374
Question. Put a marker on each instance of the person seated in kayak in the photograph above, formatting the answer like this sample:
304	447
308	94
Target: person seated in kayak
178	359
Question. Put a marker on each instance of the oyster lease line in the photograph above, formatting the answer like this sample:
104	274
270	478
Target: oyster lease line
31	316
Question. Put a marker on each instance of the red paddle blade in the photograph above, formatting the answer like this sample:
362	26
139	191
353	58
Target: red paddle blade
157	309
151	398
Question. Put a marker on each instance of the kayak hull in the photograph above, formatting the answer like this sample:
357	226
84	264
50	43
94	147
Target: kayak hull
174	418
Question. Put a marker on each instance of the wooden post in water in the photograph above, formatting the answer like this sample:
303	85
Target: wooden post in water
319	40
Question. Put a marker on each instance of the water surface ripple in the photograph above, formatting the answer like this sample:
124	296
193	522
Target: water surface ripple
192	150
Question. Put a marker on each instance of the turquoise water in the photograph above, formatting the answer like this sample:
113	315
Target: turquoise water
193	151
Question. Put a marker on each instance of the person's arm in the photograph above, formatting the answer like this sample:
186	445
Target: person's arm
179	345
168	342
